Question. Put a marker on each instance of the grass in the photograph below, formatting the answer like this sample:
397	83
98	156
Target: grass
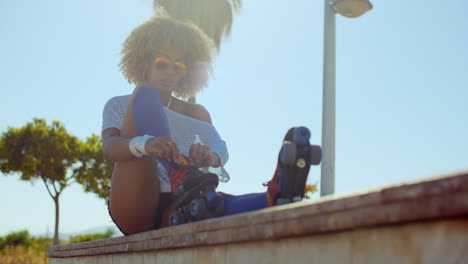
21	248
23	255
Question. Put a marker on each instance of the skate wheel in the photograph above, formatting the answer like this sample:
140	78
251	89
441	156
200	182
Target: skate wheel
215	203
288	153
213	199
219	210
282	201
296	199
176	218
301	135
315	154
198	207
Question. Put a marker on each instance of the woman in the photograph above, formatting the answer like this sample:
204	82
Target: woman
161	57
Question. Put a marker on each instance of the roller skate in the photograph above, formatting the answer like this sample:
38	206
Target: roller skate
294	161
195	192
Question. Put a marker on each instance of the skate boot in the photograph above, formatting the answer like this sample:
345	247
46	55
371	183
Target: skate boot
195	192
294	161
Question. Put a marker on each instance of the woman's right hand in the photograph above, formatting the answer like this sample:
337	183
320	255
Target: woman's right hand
162	147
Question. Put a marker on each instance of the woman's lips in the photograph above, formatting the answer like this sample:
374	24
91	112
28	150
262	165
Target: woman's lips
167	82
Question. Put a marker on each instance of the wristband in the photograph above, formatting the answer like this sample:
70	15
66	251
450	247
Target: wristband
137	145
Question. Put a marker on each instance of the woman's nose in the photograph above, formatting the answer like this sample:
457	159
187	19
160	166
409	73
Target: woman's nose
172	70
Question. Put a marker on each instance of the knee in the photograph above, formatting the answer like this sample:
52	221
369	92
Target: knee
146	92
131	220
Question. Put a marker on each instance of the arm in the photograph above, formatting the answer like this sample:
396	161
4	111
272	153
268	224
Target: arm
217	155
115	147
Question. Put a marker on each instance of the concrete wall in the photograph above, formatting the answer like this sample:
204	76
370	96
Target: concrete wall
418	222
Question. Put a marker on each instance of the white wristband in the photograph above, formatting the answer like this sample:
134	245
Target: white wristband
137	145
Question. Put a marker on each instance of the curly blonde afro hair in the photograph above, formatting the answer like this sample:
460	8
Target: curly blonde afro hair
160	32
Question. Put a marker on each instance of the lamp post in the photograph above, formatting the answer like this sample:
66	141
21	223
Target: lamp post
351	9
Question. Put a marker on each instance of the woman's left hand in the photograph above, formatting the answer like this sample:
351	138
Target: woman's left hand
201	156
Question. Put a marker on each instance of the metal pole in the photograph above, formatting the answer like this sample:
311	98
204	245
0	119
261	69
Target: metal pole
327	181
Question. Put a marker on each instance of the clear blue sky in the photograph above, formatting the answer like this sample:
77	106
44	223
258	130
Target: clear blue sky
402	91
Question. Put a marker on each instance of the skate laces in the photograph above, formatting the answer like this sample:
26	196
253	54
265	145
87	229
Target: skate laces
273	190
183	176
177	176
177	173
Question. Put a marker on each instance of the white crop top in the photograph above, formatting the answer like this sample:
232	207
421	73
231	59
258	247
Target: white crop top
184	130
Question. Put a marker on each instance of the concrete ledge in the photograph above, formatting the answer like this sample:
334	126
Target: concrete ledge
428	201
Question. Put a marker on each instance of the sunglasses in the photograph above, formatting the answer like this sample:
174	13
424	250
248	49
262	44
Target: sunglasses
162	64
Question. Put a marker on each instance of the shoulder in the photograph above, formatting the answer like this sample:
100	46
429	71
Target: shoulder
117	102
199	112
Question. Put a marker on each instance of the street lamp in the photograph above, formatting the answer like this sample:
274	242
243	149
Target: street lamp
351	8
347	8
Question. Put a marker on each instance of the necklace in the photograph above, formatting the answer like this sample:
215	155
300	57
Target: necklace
170	101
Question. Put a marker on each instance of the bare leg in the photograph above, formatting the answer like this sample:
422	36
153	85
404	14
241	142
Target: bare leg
134	196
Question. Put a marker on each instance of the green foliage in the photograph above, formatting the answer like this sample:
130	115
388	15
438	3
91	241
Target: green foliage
39	150
49	153
41	243
214	17
20	247
95	172
88	237
15	239
24	239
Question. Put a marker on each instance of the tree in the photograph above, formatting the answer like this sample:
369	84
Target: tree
95	173
214	17
48	153
16	238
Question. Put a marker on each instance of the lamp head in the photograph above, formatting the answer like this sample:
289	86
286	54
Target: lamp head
351	8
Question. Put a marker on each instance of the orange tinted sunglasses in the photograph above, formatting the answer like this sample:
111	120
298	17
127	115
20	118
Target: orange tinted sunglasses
163	64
